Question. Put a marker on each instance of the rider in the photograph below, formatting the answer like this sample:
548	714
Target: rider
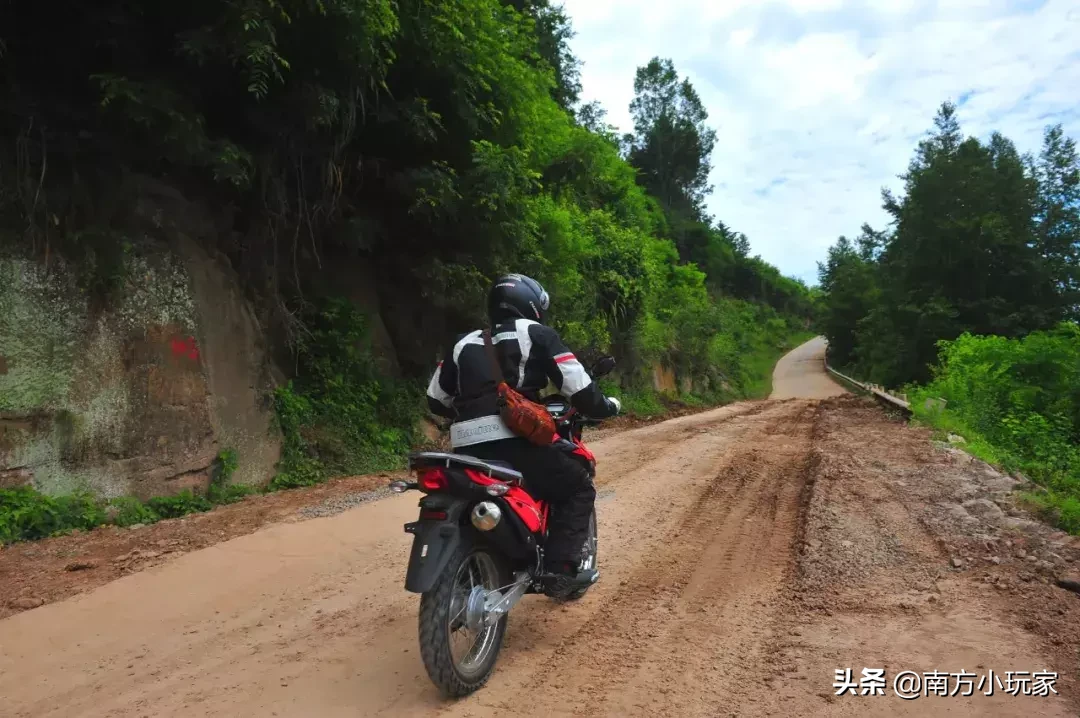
529	354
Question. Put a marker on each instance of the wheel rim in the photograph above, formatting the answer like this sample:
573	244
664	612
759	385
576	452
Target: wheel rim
588	550
470	647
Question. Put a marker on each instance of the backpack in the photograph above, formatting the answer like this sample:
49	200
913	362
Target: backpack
525	418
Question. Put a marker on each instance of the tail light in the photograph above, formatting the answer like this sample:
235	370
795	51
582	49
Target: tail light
433	480
431	515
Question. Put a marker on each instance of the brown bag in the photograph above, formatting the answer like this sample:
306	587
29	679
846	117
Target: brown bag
525	418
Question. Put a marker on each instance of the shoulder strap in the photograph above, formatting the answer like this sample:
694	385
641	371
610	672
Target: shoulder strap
490	349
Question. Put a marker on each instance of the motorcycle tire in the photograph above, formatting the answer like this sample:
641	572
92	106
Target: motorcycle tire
441	610
588	559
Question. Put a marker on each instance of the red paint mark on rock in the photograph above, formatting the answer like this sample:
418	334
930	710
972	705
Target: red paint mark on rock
185	347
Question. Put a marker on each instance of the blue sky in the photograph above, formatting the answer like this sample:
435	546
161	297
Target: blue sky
818	104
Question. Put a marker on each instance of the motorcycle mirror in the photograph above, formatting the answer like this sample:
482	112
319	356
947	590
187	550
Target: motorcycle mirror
604	365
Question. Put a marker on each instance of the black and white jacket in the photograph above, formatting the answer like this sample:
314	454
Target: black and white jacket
529	354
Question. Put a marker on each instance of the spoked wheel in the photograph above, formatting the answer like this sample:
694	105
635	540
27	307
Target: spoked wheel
458	645
588	556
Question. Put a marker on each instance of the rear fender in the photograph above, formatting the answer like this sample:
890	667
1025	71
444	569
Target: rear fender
434	541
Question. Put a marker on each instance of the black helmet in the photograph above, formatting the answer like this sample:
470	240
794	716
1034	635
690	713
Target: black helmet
515	295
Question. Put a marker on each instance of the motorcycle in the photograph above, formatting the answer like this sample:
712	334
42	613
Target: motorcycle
478	549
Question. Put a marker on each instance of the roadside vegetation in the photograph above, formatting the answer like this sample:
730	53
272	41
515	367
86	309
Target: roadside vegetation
423	145
27	514
972	296
1016	403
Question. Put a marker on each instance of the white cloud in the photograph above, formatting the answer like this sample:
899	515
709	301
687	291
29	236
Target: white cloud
815	5
819	103
741	37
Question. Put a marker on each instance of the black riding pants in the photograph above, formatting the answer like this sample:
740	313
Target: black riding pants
554	476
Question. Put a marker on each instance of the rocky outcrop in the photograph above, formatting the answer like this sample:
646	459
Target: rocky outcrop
664	380
239	375
138	394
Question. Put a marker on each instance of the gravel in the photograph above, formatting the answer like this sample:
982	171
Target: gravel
605	494
337	504
985	509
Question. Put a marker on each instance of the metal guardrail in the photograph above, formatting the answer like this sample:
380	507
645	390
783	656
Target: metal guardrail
878	392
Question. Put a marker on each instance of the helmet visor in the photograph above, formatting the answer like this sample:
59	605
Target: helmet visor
545	302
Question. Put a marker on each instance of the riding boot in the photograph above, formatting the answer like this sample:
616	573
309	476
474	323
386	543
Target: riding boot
565	578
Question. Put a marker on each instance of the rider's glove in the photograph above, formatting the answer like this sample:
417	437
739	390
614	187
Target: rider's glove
616	403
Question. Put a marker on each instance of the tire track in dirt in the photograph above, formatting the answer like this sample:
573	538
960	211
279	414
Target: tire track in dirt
36	571
649	444
310	618
715	632
872	586
685	605
629	527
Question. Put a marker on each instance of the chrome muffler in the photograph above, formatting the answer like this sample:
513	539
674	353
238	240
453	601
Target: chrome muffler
486	515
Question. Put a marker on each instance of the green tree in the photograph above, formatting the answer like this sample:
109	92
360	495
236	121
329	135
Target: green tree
412	143
848	279
553	35
593	117
671	145
1058	213
962	256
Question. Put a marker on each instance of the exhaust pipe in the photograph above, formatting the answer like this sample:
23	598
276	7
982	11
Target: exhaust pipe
486	515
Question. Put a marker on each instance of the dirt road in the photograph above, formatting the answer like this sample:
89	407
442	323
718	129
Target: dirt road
800	374
747	553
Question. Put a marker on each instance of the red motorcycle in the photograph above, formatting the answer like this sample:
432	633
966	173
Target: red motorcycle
478	548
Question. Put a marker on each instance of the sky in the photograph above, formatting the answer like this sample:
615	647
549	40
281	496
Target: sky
818	104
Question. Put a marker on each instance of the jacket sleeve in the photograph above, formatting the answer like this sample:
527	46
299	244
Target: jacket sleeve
570	377
443	387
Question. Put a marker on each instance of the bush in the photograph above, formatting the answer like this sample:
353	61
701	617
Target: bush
78	511
342	415
1017	402
640	403
229	494
128	511
220	490
301	471
225	466
26	514
1062	509
181	504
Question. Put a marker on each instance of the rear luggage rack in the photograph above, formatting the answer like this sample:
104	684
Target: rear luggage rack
491	468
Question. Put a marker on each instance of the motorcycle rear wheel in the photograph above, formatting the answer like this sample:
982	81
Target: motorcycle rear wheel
459	667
